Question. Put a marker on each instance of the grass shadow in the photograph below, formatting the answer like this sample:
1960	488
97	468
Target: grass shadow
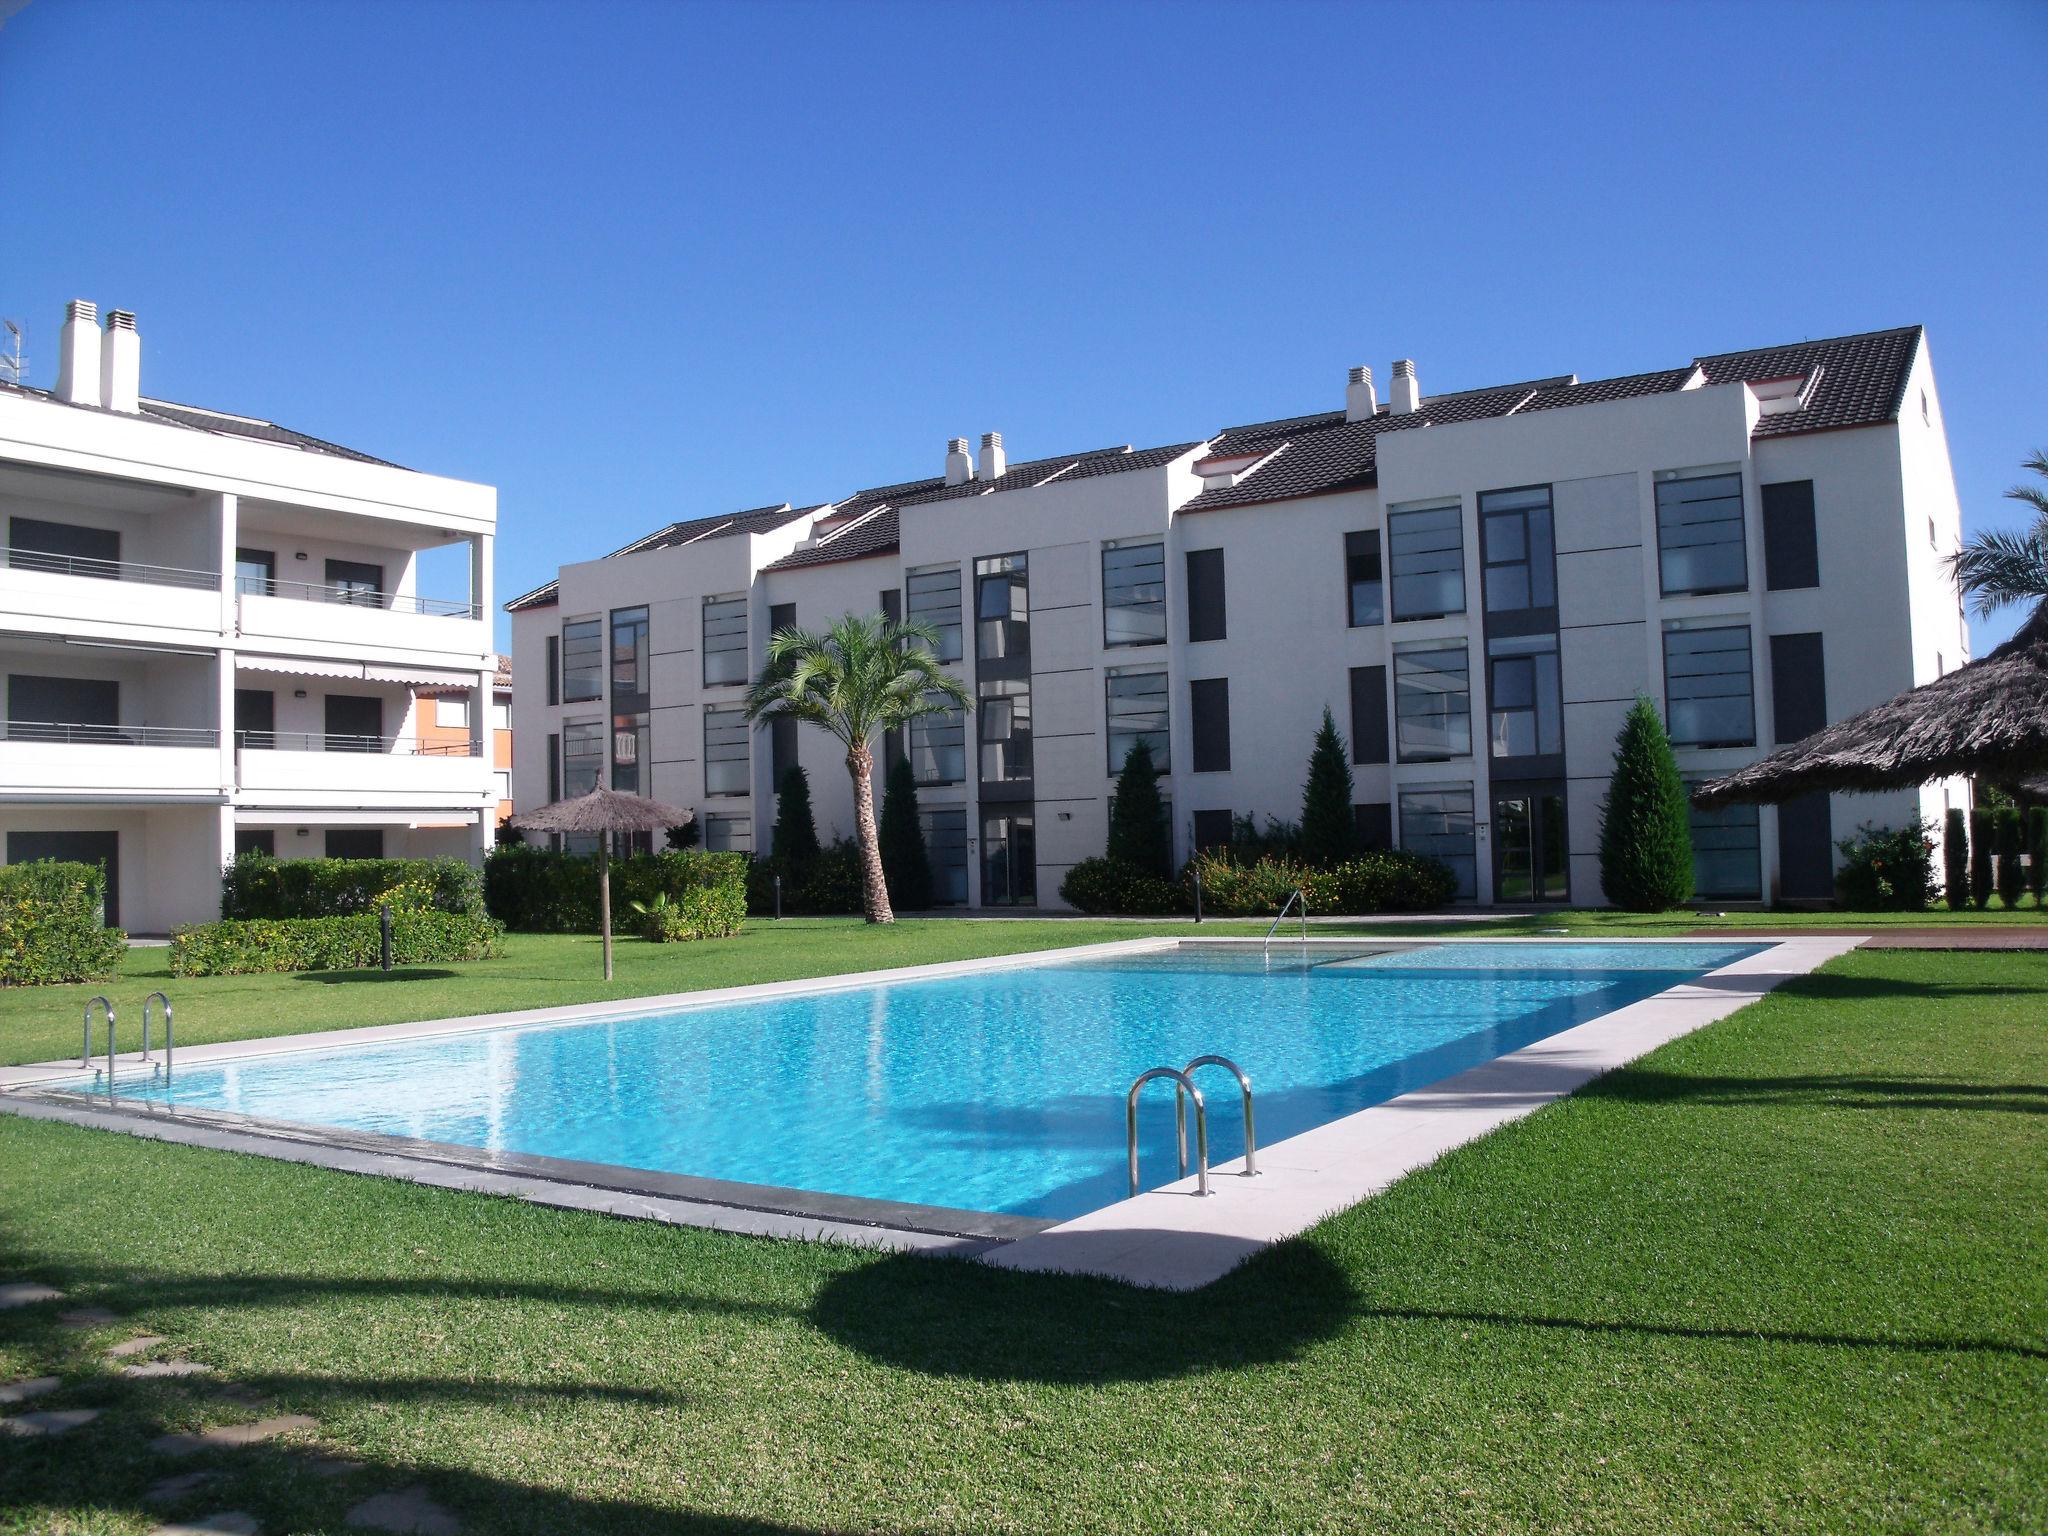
397	973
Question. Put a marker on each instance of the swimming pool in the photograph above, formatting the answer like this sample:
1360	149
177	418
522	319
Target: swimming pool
998	1091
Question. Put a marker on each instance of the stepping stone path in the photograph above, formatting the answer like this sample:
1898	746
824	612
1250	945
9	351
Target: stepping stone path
228	1523
57	1421
88	1317
22	1391
26	1293
150	1369
408	1510
134	1346
168	1490
230	1435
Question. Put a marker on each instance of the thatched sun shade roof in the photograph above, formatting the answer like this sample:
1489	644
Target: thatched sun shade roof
1986	720
600	811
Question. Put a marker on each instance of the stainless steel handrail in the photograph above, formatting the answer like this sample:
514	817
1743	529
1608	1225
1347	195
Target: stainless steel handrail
77	733
1251	1135
109	570
1293	896
164	1066
355	597
343	741
85	1050
1186	1086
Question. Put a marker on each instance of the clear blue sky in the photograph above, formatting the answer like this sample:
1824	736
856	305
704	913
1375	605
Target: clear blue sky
641	261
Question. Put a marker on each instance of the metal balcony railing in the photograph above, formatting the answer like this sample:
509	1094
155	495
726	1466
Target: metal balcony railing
356	597
110	570
338	741
73	733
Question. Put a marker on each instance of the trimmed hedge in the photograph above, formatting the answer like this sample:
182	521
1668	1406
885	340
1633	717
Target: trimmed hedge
534	890
831	884
53	925
259	886
248	947
1383	880
1113	885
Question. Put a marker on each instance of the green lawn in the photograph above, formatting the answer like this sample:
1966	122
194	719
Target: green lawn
1785	1274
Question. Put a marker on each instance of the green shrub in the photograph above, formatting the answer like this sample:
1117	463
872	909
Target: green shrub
535	890
1955	859
1112	885
1886	869
259	886
796	830
253	946
1329	832
1139	838
833	886
1381	880
53	924
1980	858
1645	829
2008	834
2037	853
906	863
704	912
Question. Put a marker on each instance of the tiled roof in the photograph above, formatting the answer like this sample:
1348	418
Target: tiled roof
1861	381
543	596
693	530
218	423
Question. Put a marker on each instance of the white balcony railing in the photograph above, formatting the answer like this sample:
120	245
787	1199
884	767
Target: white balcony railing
109	570
110	735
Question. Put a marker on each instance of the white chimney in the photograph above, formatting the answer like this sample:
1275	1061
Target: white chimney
121	364
959	467
1407	394
1360	402
993	463
78	356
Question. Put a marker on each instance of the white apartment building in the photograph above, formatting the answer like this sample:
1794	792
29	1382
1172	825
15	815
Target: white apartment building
213	639
1477	584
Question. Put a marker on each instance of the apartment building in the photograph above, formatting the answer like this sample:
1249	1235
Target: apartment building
444	723
214	638
1476	583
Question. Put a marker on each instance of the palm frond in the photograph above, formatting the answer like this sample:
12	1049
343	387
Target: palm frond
861	675
2001	566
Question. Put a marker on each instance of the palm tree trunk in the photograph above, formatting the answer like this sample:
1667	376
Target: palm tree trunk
860	764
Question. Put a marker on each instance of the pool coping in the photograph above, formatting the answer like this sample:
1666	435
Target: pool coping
1167	1237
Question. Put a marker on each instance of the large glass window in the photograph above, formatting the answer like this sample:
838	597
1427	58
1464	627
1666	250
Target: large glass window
938	748
1727	860
1707	688
934	599
1432	702
255	571
1364	588
945	848
1525	696
582	756
1699	532
728	834
1005	730
1426	548
725	752
630	757
1520	553
1436	819
1135	710
725	640
582	660
1134	592
1002	608
629	653
1009	861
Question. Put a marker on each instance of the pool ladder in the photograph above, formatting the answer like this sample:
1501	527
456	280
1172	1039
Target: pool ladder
1184	1088
161	1068
1294	897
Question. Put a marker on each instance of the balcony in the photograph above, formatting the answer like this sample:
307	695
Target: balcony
58	761
317	768
67	587
451	631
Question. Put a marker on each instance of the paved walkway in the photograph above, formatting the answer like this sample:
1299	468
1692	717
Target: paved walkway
1938	936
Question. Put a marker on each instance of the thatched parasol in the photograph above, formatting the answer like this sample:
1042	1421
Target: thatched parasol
601	813
1986	720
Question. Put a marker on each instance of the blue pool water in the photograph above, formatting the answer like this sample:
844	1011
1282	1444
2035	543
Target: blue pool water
998	1091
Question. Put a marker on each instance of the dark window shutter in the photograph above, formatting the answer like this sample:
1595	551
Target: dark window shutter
1209	723
1212	829
1806	848
554	669
781	746
781	616
1205	594
1375	824
554	768
892	605
1368	714
1799	693
1791	547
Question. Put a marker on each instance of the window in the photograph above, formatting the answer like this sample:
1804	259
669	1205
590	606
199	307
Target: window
1432	702
502	783
1368	714
554	767
725	640
63	547
1209	723
725	752
501	717
255	718
554	669
1791	548
101	848
891	599
1374	823
355	842
1135	710
1005	731
728	834
1799	688
582	660
357	582
1726	864
1699	532
1206	620
355	722
945	849
1933	539
451	711
1366	593
1133	593
934	595
90	701
782	616
1426	547
256	571
1436	819
938	748
1009	861
1519	554
1212	829
255	840
582	756
1002	608
632	761
782	754
1707	686
629	656
1525	697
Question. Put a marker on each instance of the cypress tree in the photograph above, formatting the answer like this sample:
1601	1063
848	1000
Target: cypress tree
796	834
1329	829
2037	853
1955	858
1980	858
906	866
1645	830
1138	834
2009	832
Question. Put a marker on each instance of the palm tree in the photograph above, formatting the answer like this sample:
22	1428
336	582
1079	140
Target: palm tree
865	674
2008	565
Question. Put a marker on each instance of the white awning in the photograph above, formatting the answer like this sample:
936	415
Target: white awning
356	671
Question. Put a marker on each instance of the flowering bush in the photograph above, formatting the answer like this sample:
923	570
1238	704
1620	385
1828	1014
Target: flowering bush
1887	869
